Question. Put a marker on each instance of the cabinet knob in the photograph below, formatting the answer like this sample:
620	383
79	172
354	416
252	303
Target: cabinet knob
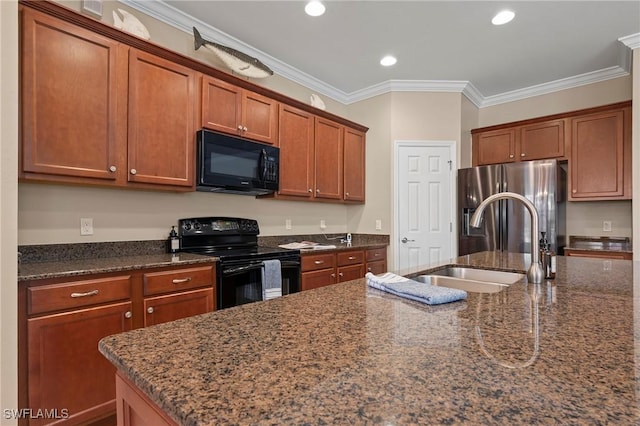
368	269
511	156
244	129
341	274
347	194
333	275
112	169
128	314
134	171
240	127
574	191
317	191
522	155
150	310
310	190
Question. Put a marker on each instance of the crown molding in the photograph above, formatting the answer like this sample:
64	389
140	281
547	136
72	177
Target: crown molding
178	19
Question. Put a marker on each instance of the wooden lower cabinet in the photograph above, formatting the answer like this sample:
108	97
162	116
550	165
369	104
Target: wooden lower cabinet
61	322
319	270
171	307
66	371
135	408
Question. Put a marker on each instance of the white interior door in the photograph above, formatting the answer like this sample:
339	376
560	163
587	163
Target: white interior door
425	203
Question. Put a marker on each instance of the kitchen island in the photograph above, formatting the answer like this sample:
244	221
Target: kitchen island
561	352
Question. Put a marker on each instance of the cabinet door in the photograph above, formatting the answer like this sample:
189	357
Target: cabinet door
352	272
171	307
66	371
161	121
494	147
376	268
221	105
542	140
328	159
597	156
73	101
259	117
354	165
296	142
315	279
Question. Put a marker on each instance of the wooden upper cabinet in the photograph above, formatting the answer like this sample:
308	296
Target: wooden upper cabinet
296	143
600	166
494	147
535	141
162	121
328	159
354	165
231	109
542	140
73	97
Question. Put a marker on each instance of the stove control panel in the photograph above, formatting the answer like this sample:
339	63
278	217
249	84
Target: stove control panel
218	226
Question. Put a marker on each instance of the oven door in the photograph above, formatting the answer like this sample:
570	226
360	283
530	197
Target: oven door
240	281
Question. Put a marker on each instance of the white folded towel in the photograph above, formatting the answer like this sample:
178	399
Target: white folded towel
414	290
271	279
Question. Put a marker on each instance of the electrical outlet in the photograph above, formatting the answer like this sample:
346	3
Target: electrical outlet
378	224
323	224
86	226
606	225
287	224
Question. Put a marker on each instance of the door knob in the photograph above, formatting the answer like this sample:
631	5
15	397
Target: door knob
406	240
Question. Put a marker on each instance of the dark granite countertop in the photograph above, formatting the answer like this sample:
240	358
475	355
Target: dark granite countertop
609	244
557	353
74	267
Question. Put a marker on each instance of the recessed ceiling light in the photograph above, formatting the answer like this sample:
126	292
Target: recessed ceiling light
503	17
314	8
388	60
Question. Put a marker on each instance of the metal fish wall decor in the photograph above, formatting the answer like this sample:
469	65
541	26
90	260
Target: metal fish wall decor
238	62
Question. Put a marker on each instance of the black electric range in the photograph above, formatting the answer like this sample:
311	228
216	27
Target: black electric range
234	241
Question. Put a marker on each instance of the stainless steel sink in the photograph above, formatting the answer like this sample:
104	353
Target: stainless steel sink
469	279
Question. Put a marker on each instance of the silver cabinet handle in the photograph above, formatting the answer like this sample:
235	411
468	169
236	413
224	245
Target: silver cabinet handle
376	254
150	310
333	275
128	314
319	262
112	169
181	280
89	293
352	257
240	127
369	269
341	274
134	171
511	156
406	240
244	128
522	155
317	191
310	190
347	194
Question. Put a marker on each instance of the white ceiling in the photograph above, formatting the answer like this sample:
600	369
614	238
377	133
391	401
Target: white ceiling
440	46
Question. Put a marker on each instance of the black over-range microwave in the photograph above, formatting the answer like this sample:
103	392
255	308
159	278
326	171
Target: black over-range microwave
235	165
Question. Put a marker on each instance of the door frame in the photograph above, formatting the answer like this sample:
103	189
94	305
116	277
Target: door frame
452	145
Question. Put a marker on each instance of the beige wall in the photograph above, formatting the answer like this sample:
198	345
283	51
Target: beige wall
583	218
469	120
8	206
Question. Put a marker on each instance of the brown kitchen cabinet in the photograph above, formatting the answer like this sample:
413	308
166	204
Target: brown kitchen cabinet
523	142
74	89
232	109
62	320
376	260
162	121
175	294
354	165
322	269
600	166
320	160
64	369
95	111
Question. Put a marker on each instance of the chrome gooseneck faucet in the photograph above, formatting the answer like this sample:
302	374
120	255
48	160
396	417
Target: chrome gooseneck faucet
535	273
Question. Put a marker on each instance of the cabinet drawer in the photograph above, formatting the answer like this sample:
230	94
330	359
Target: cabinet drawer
376	254
318	261
316	279
177	280
350	257
76	294
351	272
377	267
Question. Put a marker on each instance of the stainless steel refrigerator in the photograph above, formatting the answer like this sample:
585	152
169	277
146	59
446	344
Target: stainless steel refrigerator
506	224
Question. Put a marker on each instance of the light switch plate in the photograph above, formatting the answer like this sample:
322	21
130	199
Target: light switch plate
378	224
606	225
86	226
287	223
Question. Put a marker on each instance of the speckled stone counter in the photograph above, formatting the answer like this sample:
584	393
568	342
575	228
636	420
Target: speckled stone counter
557	353
70	268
